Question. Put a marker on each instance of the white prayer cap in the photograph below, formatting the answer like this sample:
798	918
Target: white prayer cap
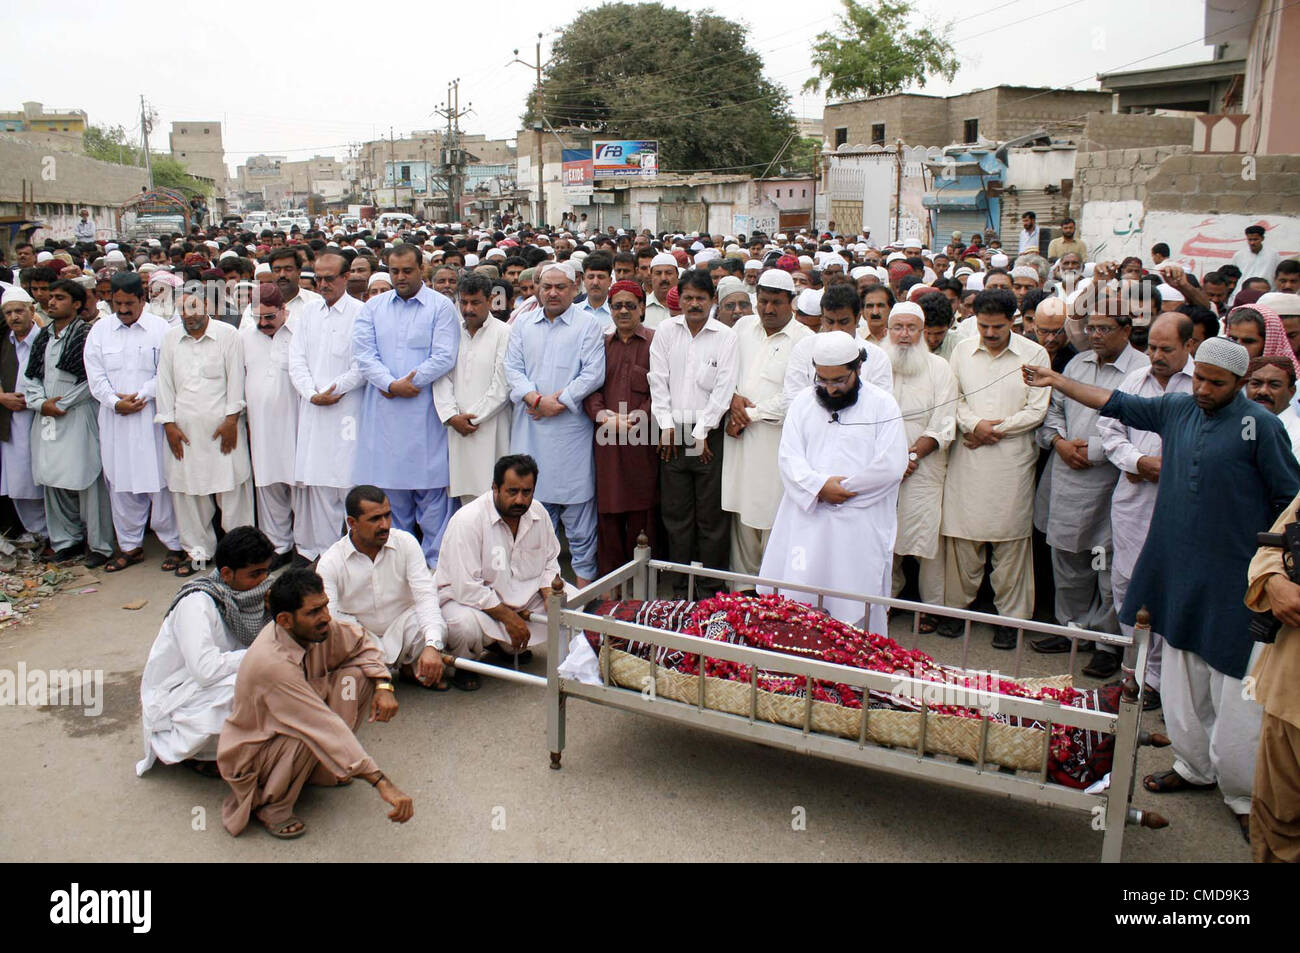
112	245
153	243
359	243
663	258
1170	293
1221	352
1285	304
227	254
806	260
780	237
895	256
114	256
926	253
809	301
834	349
620	232
731	285
733	247
15	293
862	247
471	260
963	272
728	239
262	269
706	255
907	307
912	243
484	245
1024	271
975	282
753	265
776	279
44	256
564	267
835	260
861	272
147	268
697	246
999	260
578	256
331	244
213	245
379	276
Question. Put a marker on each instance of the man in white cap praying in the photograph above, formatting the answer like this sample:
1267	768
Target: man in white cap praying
842	455
663	277
15	416
751	484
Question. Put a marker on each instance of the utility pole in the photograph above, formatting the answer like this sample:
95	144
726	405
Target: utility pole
453	157
392	161
538	125
145	125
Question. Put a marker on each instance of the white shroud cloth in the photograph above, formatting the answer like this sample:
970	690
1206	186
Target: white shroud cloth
849	546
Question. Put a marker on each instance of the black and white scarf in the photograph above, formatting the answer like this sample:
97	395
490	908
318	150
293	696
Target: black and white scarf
71	360
244	613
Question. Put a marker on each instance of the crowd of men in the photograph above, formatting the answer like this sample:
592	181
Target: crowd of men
418	415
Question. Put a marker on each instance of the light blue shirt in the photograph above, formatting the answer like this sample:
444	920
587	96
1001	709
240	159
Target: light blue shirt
565	355
602	314
401	443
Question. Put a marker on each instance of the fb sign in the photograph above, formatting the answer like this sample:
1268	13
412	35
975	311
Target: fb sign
625	158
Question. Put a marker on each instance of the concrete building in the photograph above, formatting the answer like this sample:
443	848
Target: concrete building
33	117
283	184
999	113
198	147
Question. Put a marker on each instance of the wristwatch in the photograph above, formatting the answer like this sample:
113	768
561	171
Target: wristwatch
913	456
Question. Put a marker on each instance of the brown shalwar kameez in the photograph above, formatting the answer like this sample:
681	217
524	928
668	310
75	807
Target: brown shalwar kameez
293	719
1275	801
626	475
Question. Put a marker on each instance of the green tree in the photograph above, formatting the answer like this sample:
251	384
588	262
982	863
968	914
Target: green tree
875	52
109	144
688	80
168	173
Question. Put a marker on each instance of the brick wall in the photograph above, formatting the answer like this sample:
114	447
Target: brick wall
64	177
1105	131
1120	174
1216	184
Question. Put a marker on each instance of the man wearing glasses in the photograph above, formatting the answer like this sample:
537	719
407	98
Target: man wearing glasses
329	384
1079	487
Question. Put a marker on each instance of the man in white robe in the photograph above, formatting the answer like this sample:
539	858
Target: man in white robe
471	401
188	684
200	405
272	406
926	393
329	383
376	579
16	450
843	454
1137	455
122	353
500	558
751	483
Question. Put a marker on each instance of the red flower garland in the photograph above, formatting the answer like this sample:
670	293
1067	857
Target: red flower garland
753	622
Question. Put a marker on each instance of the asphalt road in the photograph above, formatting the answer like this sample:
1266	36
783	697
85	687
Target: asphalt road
632	788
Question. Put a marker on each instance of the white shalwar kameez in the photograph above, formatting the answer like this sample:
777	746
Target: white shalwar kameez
16	453
928	403
200	383
122	359
272	429
476	386
847	546
188	684
876	369
320	358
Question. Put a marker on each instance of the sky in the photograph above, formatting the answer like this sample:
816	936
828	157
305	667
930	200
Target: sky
304	79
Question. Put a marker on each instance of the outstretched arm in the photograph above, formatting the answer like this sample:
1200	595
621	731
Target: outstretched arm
1086	394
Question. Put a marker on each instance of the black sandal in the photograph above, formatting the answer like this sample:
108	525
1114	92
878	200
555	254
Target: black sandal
124	559
1169	781
173	559
186	569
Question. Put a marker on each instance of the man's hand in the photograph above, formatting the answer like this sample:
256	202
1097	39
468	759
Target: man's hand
327	397
983	435
1074	453
734	428
228	433
517	629
462	424
13	401
706	452
1149	469
832	492
51	408
668	444
403	387
176	440
739	416
384	706
550	406
428	668
403	807
128	404
1283	599
1038	376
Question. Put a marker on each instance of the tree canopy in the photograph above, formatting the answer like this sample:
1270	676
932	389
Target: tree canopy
110	144
689	80
875	51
